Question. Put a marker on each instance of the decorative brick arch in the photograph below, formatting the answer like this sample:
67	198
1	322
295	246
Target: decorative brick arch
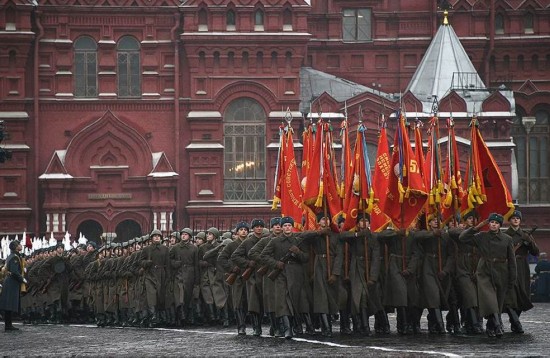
260	93
75	220
138	217
108	142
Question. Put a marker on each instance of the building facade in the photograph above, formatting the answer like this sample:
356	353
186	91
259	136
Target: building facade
128	115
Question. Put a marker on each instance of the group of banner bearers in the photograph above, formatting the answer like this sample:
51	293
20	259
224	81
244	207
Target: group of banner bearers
435	257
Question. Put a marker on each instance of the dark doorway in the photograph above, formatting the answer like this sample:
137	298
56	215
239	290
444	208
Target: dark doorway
126	230
91	229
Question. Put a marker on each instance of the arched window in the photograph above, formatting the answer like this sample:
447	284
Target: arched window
287	20
129	67
506	62
530	135
259	59
499	24
216	59
85	67
535	62
274	60
528	21
231	59
259	20
245	151
203	20
230	23
521	62
244	61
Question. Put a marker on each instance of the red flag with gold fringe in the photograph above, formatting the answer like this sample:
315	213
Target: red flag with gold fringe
406	192
487	190
380	183
287	182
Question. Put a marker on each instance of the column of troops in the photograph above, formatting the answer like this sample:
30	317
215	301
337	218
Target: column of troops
295	282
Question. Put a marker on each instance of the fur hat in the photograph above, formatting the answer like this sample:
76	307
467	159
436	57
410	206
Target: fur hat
275	221
287	220
257	222
516	214
496	217
242	224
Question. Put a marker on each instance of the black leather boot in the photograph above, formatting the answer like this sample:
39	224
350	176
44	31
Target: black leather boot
256	324
499	328
297	325
365	321
344	323
287	327
384	322
491	326
326	327
401	320
225	315
211	314
241	324
356	324
310	329
515	324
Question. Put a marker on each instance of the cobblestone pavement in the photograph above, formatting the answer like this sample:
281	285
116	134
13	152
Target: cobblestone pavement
88	340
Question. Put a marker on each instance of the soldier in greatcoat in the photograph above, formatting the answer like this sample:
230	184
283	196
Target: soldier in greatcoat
242	259
155	262
10	298
268	286
363	273
327	280
286	254
518	300
184	258
496	271
238	288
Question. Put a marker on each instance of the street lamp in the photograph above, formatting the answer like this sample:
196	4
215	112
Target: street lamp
528	124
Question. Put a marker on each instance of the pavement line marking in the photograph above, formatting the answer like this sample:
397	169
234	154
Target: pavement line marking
446	354
538	322
330	344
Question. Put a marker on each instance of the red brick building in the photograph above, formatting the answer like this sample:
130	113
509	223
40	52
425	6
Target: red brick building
128	115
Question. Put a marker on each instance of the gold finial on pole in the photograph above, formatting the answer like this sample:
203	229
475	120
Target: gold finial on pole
445	19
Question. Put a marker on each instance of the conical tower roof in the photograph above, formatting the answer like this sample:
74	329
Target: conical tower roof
444	67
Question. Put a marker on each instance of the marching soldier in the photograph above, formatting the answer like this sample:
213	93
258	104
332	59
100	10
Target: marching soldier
268	286
155	262
242	259
400	290
208	272
435	266
220	289
57	269
464	278
363	274
518	300
496	271
327	270
184	258
238	289
286	255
